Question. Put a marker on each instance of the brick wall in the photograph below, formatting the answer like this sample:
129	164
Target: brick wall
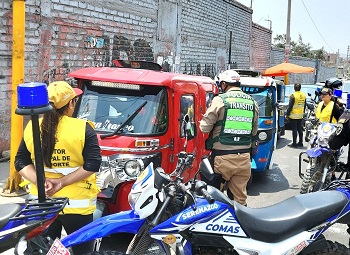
261	47
186	36
5	72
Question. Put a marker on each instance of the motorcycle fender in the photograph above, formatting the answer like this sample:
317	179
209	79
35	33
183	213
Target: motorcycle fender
123	222
315	152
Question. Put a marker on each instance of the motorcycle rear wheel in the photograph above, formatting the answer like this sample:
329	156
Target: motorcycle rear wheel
333	248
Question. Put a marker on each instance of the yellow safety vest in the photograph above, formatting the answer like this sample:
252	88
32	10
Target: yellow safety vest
67	158
326	113
299	105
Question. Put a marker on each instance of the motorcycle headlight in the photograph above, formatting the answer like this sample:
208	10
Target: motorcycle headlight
132	198
262	136
323	141
133	167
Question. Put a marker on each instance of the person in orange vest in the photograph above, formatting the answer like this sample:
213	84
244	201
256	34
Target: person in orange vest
71	156
295	112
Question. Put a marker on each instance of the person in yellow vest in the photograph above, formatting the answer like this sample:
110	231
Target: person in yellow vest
295	112
327	110
71	157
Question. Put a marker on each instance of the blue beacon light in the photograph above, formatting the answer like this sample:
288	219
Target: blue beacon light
337	92
33	99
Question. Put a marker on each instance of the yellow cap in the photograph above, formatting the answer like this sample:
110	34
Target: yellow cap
60	93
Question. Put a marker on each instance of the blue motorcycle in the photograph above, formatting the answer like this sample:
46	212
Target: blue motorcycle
23	225
322	161
170	216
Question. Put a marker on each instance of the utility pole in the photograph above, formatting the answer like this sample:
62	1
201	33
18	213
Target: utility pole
270	23
347	63
18	38
287	46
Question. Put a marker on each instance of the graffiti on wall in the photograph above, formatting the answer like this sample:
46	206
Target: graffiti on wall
96	51
200	69
125	49
54	73
99	51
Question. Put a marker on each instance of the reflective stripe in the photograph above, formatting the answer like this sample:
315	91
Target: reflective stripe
82	203
74	203
64	171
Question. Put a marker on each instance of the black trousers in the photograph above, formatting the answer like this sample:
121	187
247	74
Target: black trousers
297	129
71	223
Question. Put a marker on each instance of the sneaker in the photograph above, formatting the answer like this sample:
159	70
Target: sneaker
292	145
300	145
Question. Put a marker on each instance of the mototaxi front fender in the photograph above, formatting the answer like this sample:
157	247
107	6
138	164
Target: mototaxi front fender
123	222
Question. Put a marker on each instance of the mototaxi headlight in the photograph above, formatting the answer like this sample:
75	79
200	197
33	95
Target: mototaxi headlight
262	136
132	199
133	167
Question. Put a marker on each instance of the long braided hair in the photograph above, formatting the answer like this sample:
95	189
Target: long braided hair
48	132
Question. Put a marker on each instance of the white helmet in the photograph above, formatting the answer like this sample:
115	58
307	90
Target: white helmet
231	77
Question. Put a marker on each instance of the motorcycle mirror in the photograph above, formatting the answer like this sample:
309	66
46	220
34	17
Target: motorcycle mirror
206	169
339	129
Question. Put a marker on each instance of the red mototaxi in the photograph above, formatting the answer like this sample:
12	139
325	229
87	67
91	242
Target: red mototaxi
138	116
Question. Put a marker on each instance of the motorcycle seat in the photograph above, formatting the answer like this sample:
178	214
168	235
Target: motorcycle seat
8	211
299	213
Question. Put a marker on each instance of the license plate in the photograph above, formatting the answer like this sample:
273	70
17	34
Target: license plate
57	248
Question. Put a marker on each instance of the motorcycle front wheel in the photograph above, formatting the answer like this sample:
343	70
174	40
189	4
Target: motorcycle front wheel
105	253
333	248
311	180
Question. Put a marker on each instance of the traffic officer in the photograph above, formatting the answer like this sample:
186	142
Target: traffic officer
232	121
71	157
327	110
295	112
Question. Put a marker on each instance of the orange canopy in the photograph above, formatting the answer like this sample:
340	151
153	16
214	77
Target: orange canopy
286	68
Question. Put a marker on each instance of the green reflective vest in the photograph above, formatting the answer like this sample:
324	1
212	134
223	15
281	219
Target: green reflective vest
237	125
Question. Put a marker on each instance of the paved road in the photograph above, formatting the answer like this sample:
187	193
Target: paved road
273	186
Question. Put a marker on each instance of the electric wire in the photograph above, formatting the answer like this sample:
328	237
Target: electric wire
316	26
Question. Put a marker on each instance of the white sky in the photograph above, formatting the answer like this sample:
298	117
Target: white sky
322	23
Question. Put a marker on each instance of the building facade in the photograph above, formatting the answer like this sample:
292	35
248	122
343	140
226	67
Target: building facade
186	36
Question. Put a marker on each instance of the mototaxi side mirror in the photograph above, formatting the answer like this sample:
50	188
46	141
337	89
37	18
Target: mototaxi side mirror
282	106
206	169
187	127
